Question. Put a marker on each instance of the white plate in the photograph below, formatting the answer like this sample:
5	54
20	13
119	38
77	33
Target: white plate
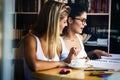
77	67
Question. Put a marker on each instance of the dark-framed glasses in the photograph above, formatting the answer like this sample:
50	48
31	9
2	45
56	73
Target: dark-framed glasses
82	20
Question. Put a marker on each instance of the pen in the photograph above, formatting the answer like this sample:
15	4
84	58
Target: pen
97	70
100	74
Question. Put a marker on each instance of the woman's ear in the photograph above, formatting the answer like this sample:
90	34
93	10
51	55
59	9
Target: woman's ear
70	20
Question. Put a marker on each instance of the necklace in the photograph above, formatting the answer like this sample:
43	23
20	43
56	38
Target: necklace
72	40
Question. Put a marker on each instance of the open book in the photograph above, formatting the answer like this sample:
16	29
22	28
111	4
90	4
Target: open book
114	57
105	64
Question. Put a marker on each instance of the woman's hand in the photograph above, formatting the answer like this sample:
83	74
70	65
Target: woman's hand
101	53
72	54
98	53
61	64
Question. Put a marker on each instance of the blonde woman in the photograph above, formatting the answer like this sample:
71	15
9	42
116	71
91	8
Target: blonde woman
40	45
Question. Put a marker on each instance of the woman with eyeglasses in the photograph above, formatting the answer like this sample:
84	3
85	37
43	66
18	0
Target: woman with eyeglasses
71	37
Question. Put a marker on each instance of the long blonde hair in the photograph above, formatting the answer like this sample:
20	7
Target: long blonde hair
48	24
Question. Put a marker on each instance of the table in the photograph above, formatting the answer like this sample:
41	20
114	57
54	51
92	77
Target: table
53	74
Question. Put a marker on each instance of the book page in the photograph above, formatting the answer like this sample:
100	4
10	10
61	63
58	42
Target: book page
105	64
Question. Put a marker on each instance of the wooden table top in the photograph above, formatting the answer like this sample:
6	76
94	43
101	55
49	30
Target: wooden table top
75	74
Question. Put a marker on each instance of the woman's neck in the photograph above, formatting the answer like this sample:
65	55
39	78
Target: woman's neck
70	36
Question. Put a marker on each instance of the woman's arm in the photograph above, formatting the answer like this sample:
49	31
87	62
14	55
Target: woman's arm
96	54
31	57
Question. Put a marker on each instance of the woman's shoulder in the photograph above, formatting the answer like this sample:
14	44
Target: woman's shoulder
29	38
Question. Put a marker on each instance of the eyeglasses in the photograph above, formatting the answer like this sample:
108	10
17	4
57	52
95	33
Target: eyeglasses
82	20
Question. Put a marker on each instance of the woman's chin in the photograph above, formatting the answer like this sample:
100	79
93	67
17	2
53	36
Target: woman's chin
60	33
79	32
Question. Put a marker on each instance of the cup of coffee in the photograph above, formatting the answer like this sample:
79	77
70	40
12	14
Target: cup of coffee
77	62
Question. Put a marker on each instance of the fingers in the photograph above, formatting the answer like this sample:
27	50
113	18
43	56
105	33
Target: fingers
106	54
102	53
74	51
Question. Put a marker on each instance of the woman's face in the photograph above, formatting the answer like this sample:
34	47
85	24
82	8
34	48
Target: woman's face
77	25
63	23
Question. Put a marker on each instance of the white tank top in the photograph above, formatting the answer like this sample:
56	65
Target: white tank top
40	56
65	51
